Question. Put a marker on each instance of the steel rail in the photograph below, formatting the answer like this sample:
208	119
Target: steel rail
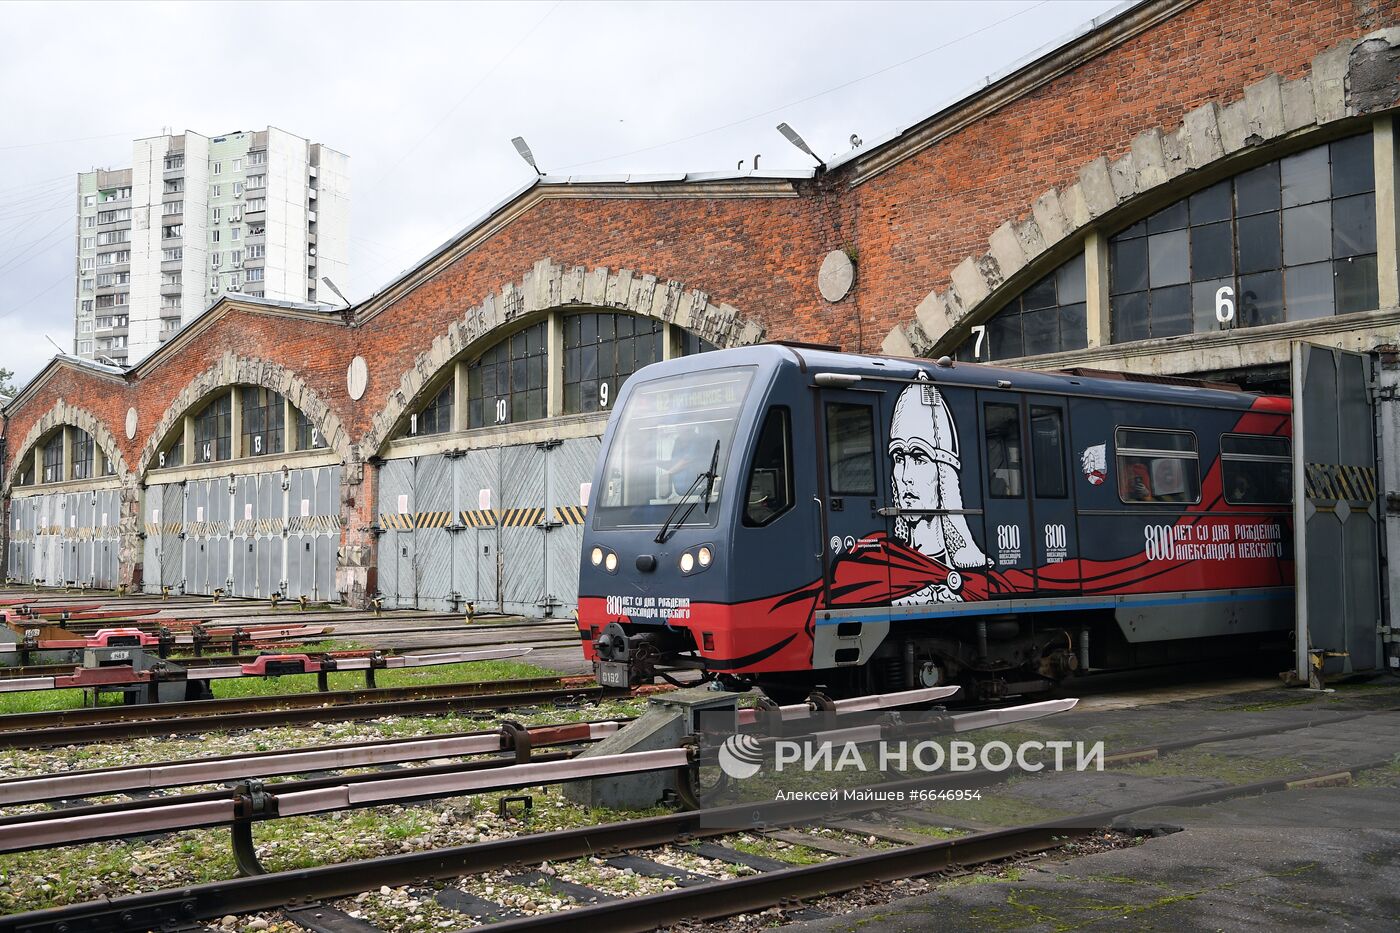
727	897
289	709
66	827
104	781
300	887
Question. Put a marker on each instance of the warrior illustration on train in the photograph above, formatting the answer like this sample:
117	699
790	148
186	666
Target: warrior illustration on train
795	518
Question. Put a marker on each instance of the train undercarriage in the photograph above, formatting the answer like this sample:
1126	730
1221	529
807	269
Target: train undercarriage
990	658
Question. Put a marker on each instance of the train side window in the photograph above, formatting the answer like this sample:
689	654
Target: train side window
1048	449
770	478
1256	470
1003	434
850	449
1157	466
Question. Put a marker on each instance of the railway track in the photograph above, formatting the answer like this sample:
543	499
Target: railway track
303	894
116	723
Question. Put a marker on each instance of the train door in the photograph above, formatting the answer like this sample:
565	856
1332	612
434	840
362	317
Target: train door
1054	534
1006	512
856	488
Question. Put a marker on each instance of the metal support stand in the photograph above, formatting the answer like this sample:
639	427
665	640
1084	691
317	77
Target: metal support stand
250	801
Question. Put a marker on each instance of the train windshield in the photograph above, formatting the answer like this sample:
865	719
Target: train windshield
665	441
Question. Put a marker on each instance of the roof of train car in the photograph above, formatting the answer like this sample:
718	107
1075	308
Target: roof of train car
812	360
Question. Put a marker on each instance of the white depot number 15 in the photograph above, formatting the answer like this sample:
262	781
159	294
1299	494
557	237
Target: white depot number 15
1225	304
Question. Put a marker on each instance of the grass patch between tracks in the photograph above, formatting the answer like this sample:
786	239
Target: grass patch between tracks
35	701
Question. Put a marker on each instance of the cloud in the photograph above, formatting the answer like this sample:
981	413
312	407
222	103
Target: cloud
425	97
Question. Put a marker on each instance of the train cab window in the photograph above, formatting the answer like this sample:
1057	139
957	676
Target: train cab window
850	449
1157	466
1003	435
1048	449
1256	470
770	478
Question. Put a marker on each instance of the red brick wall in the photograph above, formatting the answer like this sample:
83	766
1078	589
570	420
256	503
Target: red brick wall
917	221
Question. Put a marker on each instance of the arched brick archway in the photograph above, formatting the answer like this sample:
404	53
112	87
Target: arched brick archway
1340	85
240	370
547	286
62	413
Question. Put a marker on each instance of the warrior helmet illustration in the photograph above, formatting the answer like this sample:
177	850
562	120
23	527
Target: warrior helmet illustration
1094	463
924	451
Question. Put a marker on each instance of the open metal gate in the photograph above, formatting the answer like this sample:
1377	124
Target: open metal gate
1336	514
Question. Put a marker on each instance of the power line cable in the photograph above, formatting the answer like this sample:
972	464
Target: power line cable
470	91
812	97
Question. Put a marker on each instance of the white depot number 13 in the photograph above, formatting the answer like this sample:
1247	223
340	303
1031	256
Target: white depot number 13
1225	304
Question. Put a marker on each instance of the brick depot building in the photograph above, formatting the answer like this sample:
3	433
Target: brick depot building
1174	165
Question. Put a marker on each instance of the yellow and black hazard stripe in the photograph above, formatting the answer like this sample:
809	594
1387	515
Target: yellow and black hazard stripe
432	519
402	522
570	514
521	518
479	518
1340	482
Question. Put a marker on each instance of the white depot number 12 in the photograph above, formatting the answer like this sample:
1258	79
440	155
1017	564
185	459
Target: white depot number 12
1225	304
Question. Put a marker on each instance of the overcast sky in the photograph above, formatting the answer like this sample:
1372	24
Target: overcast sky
426	97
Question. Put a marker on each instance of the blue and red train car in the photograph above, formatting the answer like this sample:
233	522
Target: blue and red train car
795	518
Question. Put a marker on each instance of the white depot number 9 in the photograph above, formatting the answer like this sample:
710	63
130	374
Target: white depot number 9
602	395
1225	304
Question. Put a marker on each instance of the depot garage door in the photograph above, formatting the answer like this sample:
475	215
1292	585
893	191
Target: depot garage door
499	528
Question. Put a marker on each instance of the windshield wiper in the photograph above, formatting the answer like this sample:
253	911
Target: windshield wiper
708	478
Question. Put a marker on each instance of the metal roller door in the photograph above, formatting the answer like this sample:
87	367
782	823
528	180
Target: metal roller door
301	537
327	515
270	540
108	537
476	551
196	548
395	564
173	538
522	531
244	543
433	519
570	467
20	565
1335	503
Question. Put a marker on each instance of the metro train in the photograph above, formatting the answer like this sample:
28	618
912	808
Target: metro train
795	519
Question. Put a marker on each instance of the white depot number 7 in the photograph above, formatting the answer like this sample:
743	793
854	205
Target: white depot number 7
981	331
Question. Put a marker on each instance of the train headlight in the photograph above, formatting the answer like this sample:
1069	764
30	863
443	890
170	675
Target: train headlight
687	562
597	556
705	556
611	562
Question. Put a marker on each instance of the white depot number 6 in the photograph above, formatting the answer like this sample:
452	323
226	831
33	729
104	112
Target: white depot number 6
1225	304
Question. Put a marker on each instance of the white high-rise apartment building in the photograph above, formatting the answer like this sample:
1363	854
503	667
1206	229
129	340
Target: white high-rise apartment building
263	213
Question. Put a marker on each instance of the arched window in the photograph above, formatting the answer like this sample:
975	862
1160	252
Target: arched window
508	383
1287	241
601	350
436	416
213	431
53	459
1048	317
221	430
264	421
66	453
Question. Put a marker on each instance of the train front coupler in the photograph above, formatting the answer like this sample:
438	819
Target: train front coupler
626	659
